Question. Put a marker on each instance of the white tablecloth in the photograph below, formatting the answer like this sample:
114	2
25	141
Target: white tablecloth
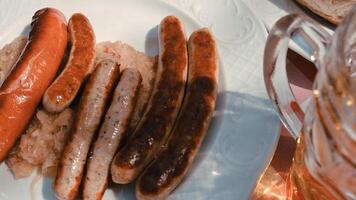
269	11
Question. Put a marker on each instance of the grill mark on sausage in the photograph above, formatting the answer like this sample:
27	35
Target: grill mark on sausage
174	160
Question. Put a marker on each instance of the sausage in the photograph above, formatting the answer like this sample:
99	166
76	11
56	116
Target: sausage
157	122
173	163
33	73
113	129
80	63
89	113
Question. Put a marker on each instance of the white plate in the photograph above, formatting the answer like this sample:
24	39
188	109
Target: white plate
244	131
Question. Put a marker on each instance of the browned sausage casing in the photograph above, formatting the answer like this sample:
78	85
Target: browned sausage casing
80	63
89	113
33	73
111	133
173	163
162	109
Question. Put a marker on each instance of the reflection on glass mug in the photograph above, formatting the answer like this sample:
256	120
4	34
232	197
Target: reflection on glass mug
324	165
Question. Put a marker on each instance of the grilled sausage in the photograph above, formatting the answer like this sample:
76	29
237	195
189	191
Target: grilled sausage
163	106
173	163
89	113
112	131
80	63
33	73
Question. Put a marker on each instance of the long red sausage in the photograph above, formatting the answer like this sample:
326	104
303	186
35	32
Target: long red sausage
34	71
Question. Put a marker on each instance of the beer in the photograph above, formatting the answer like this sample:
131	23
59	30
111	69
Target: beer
324	164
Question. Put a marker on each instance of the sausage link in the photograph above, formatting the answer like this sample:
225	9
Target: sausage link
163	106
112	131
33	73
173	163
89	113
80	63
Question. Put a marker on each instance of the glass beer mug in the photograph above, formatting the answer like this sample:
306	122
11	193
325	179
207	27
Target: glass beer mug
324	165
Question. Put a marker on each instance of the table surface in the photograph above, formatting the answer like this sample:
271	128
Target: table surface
269	11
301	73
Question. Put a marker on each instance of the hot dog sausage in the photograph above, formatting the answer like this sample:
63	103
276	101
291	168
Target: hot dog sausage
173	163
80	63
33	72
163	106
89	113
111	133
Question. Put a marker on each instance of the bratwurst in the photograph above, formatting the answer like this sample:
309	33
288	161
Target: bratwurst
174	162
89	113
112	131
80	63
157	122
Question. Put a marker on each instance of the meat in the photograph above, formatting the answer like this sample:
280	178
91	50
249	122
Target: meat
163	106
112	131
89	113
128	57
80	63
174	162
33	73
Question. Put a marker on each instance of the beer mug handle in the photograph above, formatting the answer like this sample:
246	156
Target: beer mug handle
313	40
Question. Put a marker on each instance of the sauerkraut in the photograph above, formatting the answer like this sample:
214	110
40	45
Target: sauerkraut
42	144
